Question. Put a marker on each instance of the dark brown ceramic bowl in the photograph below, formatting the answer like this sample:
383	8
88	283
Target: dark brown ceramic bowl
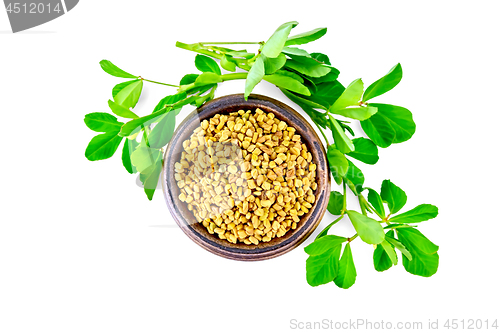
199	234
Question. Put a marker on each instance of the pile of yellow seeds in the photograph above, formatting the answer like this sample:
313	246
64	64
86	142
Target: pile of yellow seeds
247	177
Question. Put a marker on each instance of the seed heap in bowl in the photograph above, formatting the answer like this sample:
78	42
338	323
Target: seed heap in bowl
247	177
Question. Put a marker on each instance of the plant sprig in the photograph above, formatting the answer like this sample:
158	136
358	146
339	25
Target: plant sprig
310	81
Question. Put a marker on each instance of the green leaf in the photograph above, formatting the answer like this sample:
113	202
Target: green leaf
391	124
316	116
337	162
381	260
111	69
399	118
323	244
354	178
369	230
302	101
227	64
379	130
342	142
171	99
293	75
206	65
129	95
350	97
417	239
307	82
335	203
384	84
208	78
102	122
327	93
398	245
358	113
150	179
203	99
128	148
346	275
119	87
241	54
103	146
323	268
307	66
398	225
144	159
255	75
287	82
272	48
364	150
306	37
321	57
330	77
420	213
188	79
199	89
346	127
121	111
162	133
376	201
390	251
393	195
296	51
423	263
220	48
136	125
271	65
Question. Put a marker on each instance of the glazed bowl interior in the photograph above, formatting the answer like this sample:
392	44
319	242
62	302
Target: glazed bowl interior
196	231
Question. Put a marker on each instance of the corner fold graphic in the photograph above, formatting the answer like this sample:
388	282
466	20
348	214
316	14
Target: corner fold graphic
25	15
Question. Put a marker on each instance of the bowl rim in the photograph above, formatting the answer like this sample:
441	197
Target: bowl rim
248	253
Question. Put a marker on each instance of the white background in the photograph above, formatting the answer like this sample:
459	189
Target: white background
83	250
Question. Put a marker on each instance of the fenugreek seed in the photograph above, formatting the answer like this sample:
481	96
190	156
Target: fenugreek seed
260	180
266	203
254	240
249	230
232	169
275	225
271	193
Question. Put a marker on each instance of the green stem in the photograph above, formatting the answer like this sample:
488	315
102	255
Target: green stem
325	231
324	136
370	207
192	47
224	77
145	134
233	76
362	206
165	84
229	43
350	239
344	205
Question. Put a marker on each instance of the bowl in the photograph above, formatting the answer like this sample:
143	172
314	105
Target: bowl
196	231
